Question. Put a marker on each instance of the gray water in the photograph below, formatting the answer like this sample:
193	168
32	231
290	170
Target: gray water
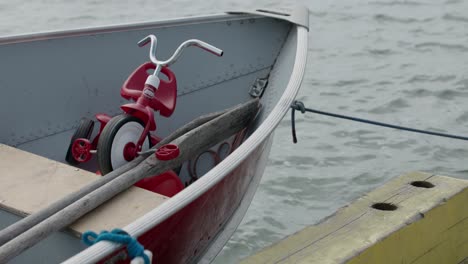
403	62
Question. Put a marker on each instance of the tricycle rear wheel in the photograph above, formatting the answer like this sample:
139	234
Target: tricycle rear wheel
84	130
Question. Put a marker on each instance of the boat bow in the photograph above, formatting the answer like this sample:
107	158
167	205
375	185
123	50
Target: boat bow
292	56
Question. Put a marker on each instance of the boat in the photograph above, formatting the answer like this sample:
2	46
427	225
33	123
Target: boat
53	80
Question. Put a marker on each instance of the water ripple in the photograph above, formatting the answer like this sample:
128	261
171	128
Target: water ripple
318	14
352	134
392	106
450	17
462	84
379	83
346	17
453	1
397	3
330	94
81	18
463	118
346	160
401	145
418	93
381	51
445	154
328	147
407	65
445	94
405	20
273	222
342	83
366	143
366	178
453	47
299	188
427	78
422	150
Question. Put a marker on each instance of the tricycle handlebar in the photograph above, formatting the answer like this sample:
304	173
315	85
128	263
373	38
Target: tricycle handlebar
178	52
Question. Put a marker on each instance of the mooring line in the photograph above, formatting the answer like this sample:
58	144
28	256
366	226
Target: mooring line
299	106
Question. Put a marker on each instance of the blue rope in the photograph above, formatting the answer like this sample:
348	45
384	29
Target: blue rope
134	248
298	105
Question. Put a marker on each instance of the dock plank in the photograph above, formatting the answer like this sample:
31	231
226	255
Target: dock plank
429	225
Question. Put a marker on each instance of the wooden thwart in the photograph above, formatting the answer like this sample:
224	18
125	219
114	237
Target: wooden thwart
29	183
428	225
190	144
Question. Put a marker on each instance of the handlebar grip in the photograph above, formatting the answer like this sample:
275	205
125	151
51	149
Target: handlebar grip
146	40
210	48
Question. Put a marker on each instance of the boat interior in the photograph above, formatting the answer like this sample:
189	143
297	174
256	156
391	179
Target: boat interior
65	78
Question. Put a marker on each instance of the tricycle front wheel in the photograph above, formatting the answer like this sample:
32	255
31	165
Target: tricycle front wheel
116	145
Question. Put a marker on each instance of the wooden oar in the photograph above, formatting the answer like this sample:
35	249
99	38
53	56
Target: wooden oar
190	144
26	223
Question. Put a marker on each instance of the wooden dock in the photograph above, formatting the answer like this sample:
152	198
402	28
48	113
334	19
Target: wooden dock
417	218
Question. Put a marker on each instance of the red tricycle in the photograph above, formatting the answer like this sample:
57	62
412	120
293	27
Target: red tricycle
123	137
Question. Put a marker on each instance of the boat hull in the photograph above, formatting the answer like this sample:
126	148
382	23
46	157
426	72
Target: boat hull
191	231
193	225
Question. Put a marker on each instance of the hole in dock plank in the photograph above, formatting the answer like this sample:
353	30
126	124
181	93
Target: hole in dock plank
422	184
384	206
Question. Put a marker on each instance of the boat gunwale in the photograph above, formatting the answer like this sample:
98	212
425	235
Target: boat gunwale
123	27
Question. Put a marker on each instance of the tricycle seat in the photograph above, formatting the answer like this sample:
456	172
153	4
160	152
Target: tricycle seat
165	96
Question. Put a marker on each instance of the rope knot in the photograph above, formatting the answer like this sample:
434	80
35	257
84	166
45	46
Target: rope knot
134	248
298	105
